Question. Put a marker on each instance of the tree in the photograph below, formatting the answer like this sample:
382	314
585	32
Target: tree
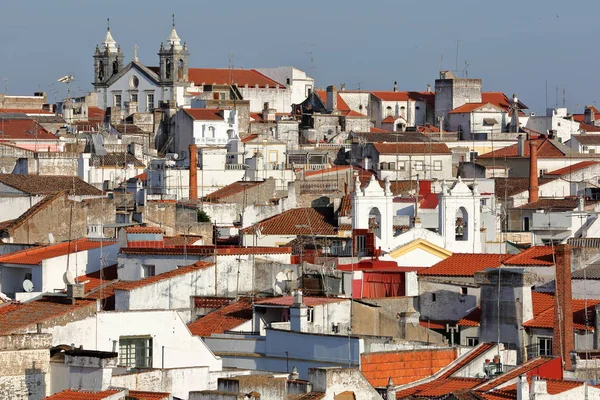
203	216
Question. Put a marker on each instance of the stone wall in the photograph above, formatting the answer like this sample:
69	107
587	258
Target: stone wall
24	366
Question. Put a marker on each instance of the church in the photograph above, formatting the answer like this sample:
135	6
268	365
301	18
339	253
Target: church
136	87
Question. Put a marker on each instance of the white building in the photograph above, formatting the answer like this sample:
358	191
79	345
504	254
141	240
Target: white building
300	84
203	127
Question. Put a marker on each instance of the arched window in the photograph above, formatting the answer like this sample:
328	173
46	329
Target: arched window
211	131
115	67
389	111
180	69
168	68
461	225
100	70
375	221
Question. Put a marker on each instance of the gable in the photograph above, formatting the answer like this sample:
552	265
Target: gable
419	253
145	75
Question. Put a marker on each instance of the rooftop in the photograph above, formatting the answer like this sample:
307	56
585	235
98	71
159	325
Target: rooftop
412	148
298	221
223	319
132	285
115	160
204	114
508	187
36	255
232	189
49	184
23	129
547	148
207	250
227	76
464	264
574	167
534	256
82	395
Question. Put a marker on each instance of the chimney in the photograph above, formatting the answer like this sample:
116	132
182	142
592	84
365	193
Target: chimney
298	314
331	98
395	86
539	388
428	88
563	340
533	172
522	388
193	172
588	115
520	151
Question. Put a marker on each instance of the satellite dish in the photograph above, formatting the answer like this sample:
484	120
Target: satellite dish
51	238
68	278
28	286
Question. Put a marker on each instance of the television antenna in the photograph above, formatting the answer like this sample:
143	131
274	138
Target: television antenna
311	53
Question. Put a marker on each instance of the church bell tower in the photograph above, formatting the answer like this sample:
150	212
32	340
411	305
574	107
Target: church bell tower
108	60
173	60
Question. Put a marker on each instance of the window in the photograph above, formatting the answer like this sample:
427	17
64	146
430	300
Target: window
392	166
525	224
401	165
310	314
180	69
484	202
361	245
419	166
135	352
584	149
134	97
115	67
168	68
100	71
433	298
464	291
287	81
388	111
437	165
117	101
148	270
472	341
150	101
545	345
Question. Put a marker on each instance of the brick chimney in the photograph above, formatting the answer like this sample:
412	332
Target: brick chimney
533	172
563	341
193	172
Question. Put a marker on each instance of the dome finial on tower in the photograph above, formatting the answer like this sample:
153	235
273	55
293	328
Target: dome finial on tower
174	39
109	43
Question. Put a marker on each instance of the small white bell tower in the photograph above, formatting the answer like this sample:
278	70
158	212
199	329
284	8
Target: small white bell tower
460	217
372	208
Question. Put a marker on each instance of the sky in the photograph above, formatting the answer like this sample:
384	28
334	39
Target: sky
520	47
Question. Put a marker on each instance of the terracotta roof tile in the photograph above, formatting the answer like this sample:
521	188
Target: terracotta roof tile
130	129
221	195
552	204
546	149
345	209
287	301
82	395
143	229
583	316
95	279
533	256
14	317
19	129
412	148
378	130
588	128
298	221
541	302
427	128
132	285
575	167
471	319
49	184
250	137
139	395
398	96
341	104
390	120
240	77
223	319
524	368
36	255
204	114
464	264
469	107
439	388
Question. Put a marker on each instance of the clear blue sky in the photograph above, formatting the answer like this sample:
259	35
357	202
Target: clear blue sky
514	46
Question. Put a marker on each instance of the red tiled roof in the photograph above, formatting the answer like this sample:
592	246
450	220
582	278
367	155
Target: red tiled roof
82	395
341	104
143	229
438	388
240	77
298	221
352	113
573	168
345	209
430	201
95	114
287	301
471	319
588	128
469	107
378	130
533	256
204	114
249	138
230	190
412	148
132	285
139	395
95	279
427	128
398	96
143	176
529	367
15	317
18	129
37	254
546	149
404	366
541	302
207	250
223	319
464	264
583	316
390	120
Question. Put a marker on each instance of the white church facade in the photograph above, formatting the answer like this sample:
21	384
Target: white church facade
135	87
